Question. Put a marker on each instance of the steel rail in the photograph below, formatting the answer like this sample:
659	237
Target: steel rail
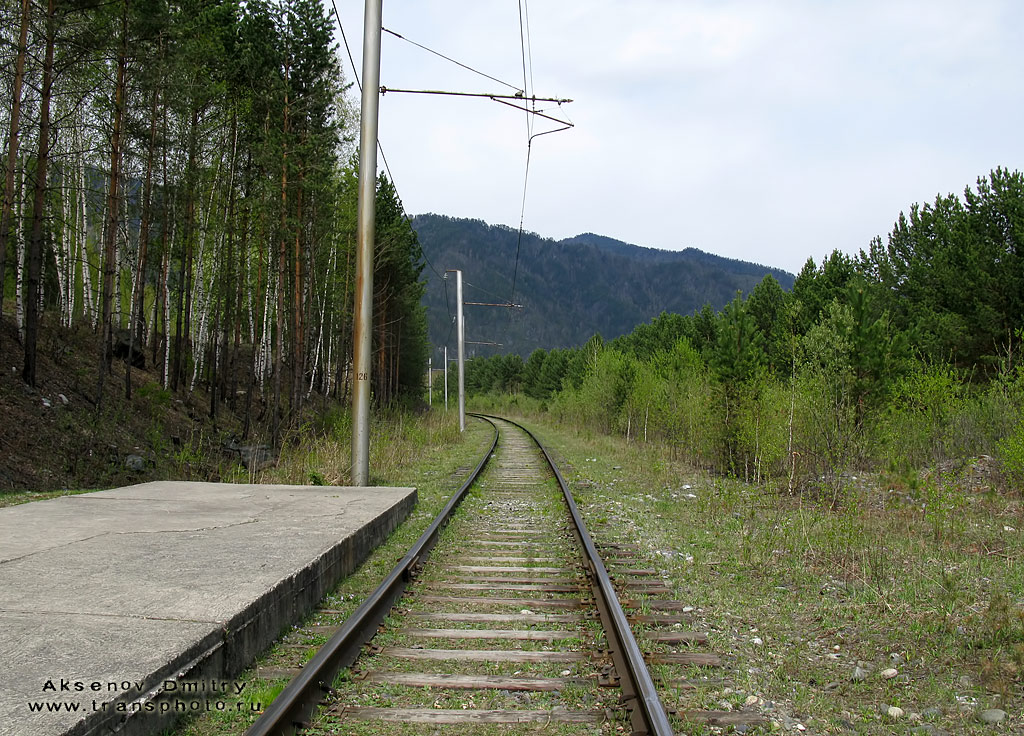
292	709
647	713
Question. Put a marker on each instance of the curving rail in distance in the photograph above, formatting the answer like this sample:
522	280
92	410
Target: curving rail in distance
292	709
638	691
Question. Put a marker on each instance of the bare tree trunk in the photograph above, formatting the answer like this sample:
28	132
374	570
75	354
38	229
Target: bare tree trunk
19	256
122	257
279	339
165	290
263	358
165	265
327	331
241	277
318	359
199	315
88	298
281	268
298	342
343	344
381	377
218	384
204	305
183	326
398	355
110	233
64	254
12	146
34	265
137	322
215	341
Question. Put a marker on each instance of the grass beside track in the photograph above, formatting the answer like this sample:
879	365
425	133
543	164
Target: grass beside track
16	498
426	452
797	592
814	602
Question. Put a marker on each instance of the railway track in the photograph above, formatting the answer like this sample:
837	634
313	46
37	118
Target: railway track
513	622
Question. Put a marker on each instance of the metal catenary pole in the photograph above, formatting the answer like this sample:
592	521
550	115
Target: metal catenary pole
462	352
430	381
446	378
363	312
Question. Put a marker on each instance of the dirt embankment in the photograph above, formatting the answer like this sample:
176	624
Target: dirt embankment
62	434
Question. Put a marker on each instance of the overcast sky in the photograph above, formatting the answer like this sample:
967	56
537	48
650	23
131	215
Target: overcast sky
764	130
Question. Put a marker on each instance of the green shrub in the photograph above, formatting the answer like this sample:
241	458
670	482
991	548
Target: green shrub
762	423
1010	451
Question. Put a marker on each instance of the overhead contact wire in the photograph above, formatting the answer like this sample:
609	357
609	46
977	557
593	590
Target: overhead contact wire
359	86
529	107
480	288
453	61
529	49
523	42
355	72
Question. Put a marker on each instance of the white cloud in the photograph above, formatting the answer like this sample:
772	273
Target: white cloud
761	129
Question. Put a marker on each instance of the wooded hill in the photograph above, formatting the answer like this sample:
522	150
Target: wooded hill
178	177
570	289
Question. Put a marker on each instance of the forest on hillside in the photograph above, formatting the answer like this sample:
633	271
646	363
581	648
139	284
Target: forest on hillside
568	289
904	356
179	179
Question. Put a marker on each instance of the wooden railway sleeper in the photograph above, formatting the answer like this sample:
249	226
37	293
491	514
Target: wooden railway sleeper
636	700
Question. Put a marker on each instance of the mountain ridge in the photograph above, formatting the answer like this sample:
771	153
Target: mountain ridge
569	289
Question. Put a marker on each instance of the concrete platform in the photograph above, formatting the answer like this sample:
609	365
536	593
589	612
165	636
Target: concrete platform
117	605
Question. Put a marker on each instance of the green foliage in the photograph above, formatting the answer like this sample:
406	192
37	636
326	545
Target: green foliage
1010	450
918	423
335	421
601	396
531	375
943	502
509	372
154	394
826	434
1005	397
402	331
768	306
189	456
808	387
762	427
740	350
646	391
235	209
817	287
951	273
688	418
552	373
661	333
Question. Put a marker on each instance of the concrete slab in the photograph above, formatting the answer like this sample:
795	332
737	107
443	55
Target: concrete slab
113	603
